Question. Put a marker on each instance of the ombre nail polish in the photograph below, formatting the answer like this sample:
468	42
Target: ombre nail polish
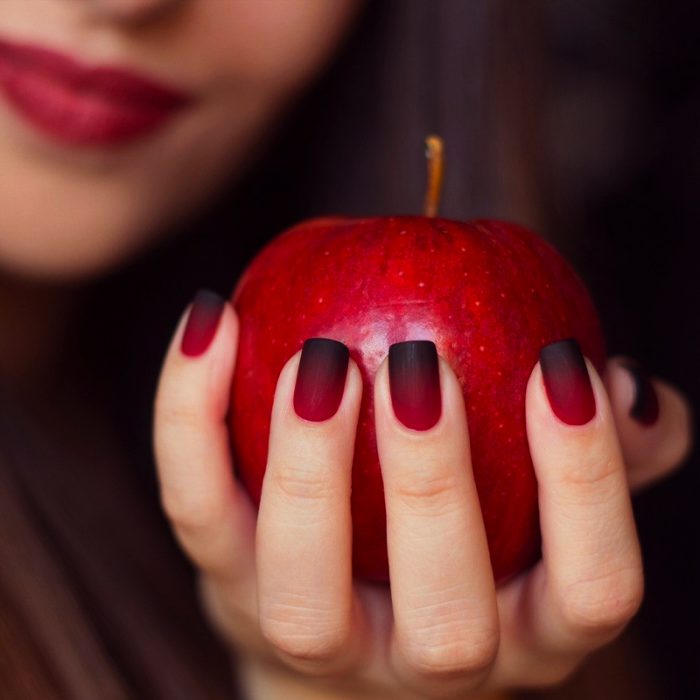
202	322
320	383
645	407
567	383
414	382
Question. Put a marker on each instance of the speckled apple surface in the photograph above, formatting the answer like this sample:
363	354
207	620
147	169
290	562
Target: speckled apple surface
489	294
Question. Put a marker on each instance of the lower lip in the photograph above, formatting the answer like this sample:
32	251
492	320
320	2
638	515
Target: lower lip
83	106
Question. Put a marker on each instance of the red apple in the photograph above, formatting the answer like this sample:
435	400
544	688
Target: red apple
489	294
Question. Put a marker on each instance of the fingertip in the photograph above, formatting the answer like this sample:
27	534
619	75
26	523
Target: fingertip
318	383
205	323
352	395
452	394
602	400
577	404
653	421
448	394
199	384
540	417
202	322
632	392
382	395
284	389
221	357
571	453
680	429
536	404
620	386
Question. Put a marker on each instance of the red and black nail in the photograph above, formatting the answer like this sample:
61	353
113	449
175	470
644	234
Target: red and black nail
567	383
645	407
202	322
414	382
320	384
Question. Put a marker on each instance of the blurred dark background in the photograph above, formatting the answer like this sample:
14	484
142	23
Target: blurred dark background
623	151
579	119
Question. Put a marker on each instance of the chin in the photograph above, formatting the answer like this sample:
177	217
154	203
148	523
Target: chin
59	226
67	243
67	264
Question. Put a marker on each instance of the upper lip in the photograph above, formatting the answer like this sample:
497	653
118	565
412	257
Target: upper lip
107	82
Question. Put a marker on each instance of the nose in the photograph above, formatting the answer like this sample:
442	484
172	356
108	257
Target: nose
133	10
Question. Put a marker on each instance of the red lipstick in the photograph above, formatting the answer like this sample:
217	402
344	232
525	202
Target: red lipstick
83	105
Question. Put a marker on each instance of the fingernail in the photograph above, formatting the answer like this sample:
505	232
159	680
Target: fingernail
645	407
414	382
320	383
567	383
202	322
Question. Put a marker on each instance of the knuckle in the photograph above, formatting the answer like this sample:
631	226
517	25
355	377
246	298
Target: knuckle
449	659
303	646
591	480
431	490
442	643
603	604
595	482
301	483
304	632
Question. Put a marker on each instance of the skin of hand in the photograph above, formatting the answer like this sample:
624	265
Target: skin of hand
281	592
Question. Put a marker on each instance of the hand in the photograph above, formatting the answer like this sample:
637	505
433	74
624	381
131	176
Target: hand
282	592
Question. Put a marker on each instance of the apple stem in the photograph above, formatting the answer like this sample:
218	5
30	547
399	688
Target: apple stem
434	153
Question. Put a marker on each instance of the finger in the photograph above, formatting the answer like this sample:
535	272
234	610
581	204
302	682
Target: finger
212	517
590	582
304	538
443	594
652	419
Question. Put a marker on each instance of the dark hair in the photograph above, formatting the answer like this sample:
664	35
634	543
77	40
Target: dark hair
87	538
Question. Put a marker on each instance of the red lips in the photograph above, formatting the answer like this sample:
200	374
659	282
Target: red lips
81	105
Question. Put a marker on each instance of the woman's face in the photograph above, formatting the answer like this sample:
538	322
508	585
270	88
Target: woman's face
118	116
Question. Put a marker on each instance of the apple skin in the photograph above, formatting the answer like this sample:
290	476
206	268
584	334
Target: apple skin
490	294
